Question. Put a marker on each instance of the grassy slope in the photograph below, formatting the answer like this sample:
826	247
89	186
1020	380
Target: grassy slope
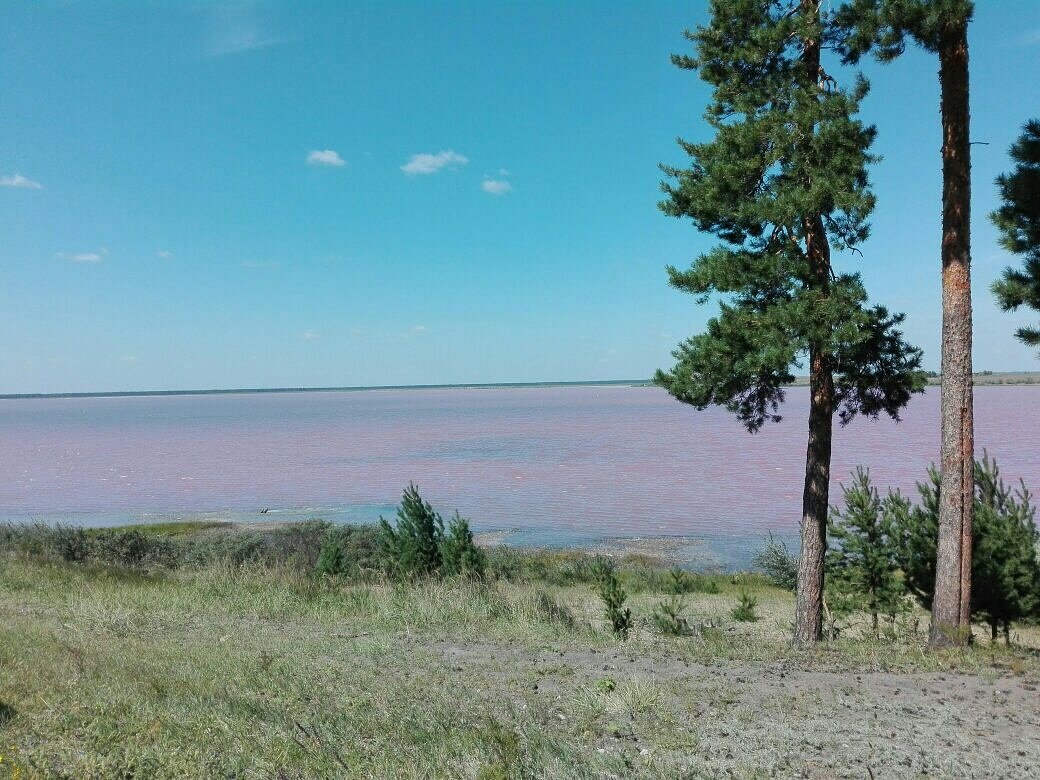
268	673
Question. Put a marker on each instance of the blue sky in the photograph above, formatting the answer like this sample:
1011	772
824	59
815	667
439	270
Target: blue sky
203	195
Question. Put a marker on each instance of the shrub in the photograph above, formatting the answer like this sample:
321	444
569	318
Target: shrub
614	596
350	550
745	609
131	549
413	545
667	618
862	567
459	554
681	582
1005	572
779	566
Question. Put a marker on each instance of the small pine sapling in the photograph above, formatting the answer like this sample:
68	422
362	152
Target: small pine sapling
745	609
862	566
413	547
668	619
614	597
459	553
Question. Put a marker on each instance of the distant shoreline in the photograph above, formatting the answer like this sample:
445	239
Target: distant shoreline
983	379
347	389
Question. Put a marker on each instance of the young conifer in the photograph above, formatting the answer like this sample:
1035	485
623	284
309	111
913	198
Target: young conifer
1005	570
862	564
414	546
781	184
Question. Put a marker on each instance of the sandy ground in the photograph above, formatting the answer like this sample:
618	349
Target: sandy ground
770	719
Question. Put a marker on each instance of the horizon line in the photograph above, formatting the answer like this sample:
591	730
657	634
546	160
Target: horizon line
333	389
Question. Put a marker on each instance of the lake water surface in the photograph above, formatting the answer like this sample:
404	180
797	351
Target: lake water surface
556	464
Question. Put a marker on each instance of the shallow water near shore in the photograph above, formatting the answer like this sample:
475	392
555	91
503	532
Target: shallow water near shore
551	466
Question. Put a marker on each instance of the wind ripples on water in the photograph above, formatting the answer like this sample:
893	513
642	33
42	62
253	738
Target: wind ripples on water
593	461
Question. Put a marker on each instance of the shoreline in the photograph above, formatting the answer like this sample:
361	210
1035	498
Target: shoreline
981	379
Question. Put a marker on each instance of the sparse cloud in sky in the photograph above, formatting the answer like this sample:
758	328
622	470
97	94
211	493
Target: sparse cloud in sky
236	28
20	182
165	254
423	164
310	335
83	257
327	157
496	186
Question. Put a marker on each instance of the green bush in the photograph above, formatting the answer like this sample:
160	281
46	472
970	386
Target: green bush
681	582
413	545
459	554
614	596
351	550
745	609
1005	572
779	566
668	619
417	545
862	564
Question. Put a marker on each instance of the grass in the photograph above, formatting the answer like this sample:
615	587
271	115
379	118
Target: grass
256	668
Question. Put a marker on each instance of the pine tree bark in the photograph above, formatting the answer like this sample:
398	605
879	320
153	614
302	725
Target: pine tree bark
808	623
951	606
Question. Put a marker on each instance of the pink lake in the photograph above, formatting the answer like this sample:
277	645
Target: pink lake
556	464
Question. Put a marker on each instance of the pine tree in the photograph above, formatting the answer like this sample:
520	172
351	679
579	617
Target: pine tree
783	181
1005	570
941	27
459	553
1018	220
862	565
414	546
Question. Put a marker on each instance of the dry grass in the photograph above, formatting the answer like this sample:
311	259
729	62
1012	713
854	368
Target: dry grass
251	671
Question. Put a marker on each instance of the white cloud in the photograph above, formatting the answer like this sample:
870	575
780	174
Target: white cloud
503	172
496	186
310	335
165	254
431	163
20	182
326	157
235	29
128	359
418	330
83	257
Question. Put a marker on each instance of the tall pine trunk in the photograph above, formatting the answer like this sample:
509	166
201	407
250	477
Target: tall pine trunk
951	606
808	625
808	622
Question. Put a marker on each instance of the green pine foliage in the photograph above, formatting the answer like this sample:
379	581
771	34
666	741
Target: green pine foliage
1018	220
668	618
1005	571
417	545
614	597
351	550
862	563
459	554
882	26
745	611
413	545
788	158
